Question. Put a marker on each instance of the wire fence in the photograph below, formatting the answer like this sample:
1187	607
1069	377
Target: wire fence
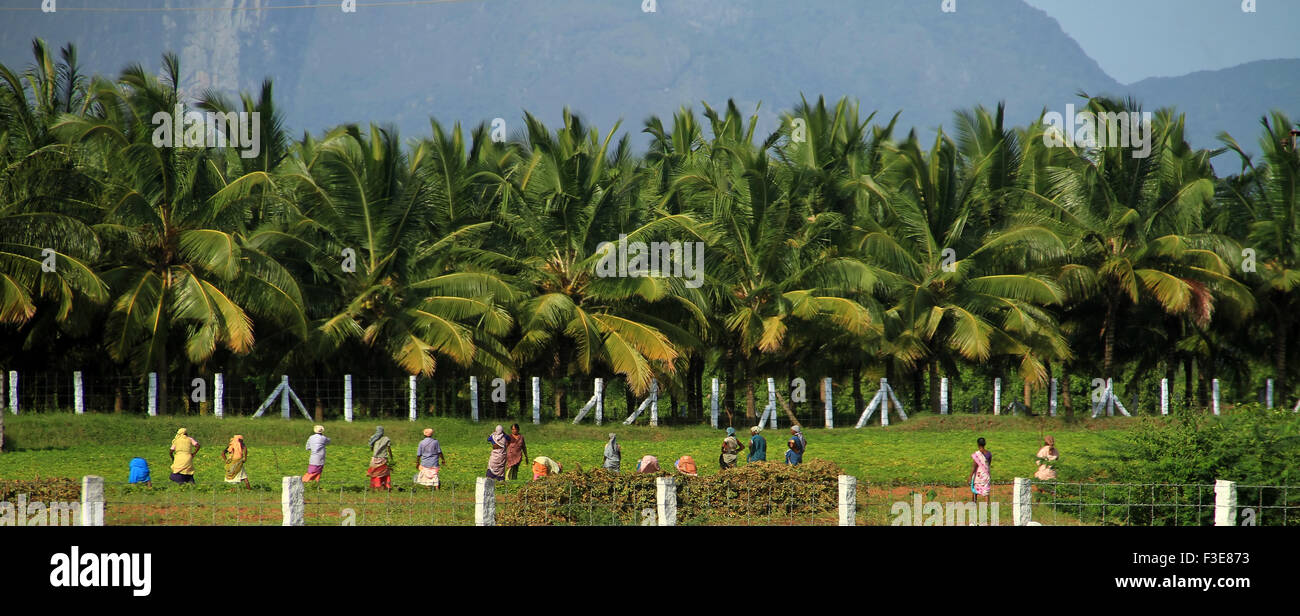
560	503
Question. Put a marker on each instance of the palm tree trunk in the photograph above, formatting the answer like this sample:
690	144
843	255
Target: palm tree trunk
1028	400
749	389
1279	357
1187	383
858	402
162	381
1108	356
918	386
934	386
1065	391
729	378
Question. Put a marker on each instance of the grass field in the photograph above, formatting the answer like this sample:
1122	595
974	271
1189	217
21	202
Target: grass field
929	455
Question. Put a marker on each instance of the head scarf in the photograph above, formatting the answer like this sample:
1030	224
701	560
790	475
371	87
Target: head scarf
611	448
731	431
755	430
796	430
648	464
1051	442
236	447
379	433
499	436
181	432
319	429
428	431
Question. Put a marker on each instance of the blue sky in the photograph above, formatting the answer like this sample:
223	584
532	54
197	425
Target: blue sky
1136	39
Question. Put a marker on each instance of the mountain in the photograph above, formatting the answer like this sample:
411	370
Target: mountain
609	60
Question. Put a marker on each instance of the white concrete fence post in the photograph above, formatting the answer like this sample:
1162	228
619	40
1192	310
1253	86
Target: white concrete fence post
666	501
347	398
1216	396
291	501
997	396
92	501
830	408
473	398
284	396
1022	503
943	396
13	392
410	404
1225	503
1164	396
713	405
654	403
153	394
537	400
600	400
218	395
848	500
485	500
771	402
78	394
1268	393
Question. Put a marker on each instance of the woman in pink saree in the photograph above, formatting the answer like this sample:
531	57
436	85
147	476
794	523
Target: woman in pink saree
981	480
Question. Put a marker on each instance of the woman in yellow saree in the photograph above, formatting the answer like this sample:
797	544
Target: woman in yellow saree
234	456
183	450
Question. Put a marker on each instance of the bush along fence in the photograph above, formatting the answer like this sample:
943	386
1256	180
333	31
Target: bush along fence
348	397
821	496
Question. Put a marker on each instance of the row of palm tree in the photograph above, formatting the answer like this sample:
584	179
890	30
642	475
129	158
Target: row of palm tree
833	246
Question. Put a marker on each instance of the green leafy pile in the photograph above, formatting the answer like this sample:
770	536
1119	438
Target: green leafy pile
763	492
42	490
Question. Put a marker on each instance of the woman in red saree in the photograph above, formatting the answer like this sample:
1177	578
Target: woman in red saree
516	452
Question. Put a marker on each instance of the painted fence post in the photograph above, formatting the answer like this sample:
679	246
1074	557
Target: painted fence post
1164	396
943	396
92	501
848	500
485	501
884	401
410	404
78	394
347	398
537	400
830	409
13	392
1216	396
284	397
153	394
218	395
654	403
1268	393
600	400
997	396
1021	503
1225	503
666	501
1110	397
713	405
291	501
771	401
473	398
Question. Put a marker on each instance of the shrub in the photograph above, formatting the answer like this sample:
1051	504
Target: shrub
759	490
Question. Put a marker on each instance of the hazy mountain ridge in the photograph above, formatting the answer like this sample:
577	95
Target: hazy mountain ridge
474	61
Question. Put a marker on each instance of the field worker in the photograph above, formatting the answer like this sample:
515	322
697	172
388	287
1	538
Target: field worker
428	461
757	446
496	467
140	472
796	446
686	466
516	452
316	462
183	451
1046	455
647	464
381	452
981	478
544	466
613	454
234	456
731	449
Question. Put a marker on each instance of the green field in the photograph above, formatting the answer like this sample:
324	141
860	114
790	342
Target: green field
927	455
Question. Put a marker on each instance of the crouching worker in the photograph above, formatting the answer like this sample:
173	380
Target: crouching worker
544	466
686	466
140	472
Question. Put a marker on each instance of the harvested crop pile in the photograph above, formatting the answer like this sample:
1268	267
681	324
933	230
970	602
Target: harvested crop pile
764	492
41	490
